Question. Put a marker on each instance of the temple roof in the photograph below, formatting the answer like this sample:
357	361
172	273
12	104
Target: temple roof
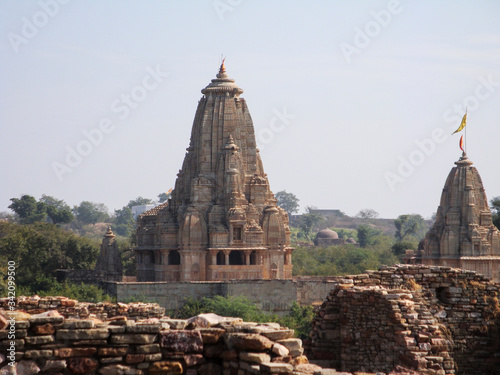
222	84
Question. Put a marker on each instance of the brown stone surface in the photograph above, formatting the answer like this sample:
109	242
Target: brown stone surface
82	334
45	329
247	342
182	341
3	322
134	358
165	367
54	365
27	368
74	352
194	359
82	365
211	335
120	370
133	338
255	357
221	221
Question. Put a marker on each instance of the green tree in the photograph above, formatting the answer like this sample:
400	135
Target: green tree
28	209
367	213
163	197
91	213
309	221
409	227
124	222
139	201
339	260
40	249
400	247
495	210
367	235
57	210
287	201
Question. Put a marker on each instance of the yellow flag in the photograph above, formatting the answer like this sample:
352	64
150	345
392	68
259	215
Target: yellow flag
462	125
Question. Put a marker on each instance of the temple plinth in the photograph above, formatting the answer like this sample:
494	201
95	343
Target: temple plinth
221	221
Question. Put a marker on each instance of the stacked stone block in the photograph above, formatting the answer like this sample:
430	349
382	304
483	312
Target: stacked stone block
71	308
435	320
50	344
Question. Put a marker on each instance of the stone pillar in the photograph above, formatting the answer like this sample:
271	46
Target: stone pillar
247	257
226	257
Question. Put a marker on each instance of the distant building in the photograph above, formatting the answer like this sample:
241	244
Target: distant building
139	210
463	235
221	221
327	213
327	237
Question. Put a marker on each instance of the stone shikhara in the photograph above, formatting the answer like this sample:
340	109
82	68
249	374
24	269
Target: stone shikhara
221	221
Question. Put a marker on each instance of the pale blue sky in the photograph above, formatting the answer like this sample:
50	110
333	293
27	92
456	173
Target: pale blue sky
353	118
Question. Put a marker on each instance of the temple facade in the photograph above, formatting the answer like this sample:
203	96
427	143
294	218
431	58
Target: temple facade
463	235
221	221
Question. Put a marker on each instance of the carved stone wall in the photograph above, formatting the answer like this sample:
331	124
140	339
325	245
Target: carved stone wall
221	221
463	234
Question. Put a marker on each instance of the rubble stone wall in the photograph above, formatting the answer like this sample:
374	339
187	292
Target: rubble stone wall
70	308
442	320
50	344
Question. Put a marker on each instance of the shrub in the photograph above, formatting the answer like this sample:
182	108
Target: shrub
299	318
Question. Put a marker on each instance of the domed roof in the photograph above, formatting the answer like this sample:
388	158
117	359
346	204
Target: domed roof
327	234
351	240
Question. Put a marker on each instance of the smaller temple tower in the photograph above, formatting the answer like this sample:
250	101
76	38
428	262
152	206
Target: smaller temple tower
463	235
109	261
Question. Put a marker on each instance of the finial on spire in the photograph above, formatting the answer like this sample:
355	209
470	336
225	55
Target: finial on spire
222	66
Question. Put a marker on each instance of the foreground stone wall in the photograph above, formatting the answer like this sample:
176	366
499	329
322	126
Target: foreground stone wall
71	308
434	320
48	343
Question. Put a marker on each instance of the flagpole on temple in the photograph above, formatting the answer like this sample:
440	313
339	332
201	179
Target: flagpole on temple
465	132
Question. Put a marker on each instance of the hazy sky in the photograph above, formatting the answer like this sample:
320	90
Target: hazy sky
353	102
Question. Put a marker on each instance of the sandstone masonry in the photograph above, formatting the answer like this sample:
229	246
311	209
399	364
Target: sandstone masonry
432	320
221	221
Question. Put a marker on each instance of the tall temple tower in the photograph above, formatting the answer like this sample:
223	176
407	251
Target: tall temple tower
221	221
463	235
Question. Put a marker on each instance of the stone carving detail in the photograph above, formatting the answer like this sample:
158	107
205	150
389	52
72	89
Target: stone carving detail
222	216
463	235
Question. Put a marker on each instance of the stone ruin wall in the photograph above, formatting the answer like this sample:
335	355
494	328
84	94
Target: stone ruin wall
399	320
51	344
434	320
71	308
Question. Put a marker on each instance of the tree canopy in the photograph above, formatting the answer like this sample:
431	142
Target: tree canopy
367	235
495	210
90	212
139	201
409	227
287	201
40	249
367	213
57	210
